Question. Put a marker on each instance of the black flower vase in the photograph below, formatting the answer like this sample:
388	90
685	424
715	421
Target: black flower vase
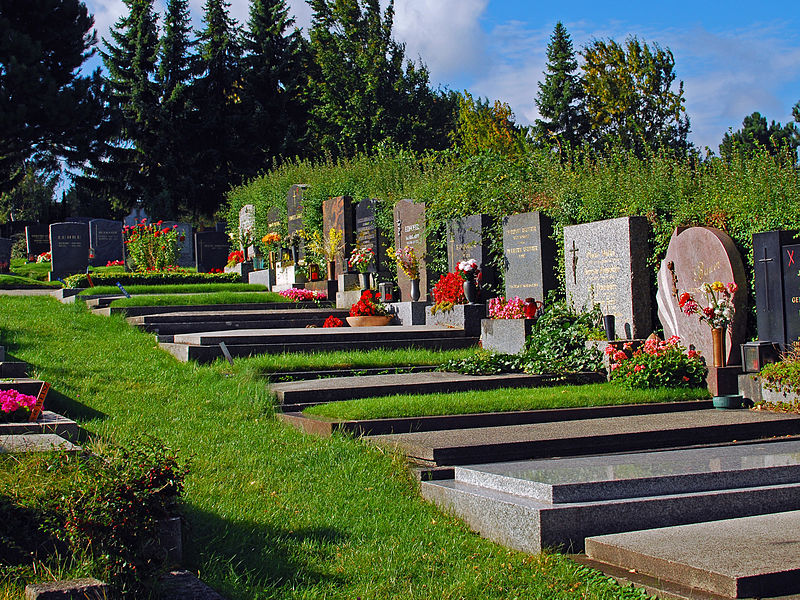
415	293
471	290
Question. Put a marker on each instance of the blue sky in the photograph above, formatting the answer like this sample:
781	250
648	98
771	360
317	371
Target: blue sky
734	58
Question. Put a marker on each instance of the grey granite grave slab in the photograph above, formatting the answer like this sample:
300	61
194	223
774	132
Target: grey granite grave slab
505	335
48	422
71	589
408	313
462	316
529	255
35	442
591	436
595	478
753	556
606	264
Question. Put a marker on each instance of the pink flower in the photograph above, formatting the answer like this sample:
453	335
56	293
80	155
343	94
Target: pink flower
638	368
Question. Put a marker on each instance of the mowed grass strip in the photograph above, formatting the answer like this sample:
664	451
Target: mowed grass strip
274	513
502	400
18	282
210	298
186	288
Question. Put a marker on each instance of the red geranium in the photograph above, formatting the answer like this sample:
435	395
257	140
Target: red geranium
368	305
333	322
450	289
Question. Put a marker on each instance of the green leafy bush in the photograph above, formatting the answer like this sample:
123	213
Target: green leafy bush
151	278
557	343
657	364
784	376
484	362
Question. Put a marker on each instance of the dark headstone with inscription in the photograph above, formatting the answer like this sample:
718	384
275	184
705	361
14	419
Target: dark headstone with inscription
186	255
369	235
274	219
469	237
409	219
606	264
338	213
105	239
37	240
770	286
211	250
69	247
529	255
5	254
221	226
294	208
698	255
791	291
77	220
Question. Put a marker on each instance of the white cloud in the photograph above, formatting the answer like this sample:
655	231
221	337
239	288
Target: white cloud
106	13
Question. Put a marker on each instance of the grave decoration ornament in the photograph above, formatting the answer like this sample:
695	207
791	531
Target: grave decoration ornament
408	263
471	272
717	313
369	311
360	260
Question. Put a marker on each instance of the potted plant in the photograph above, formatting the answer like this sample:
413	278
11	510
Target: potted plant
360	260
369	311
15	407
717	313
471	272
408	263
272	241
328	245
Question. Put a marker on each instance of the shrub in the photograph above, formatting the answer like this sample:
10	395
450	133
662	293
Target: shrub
151	246
484	362
332	321
657	364
557	343
784	376
174	276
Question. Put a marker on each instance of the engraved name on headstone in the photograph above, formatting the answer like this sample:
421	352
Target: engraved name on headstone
69	247
369	235
37	239
338	214
105	240
529	255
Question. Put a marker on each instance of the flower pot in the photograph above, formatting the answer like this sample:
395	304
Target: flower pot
610	326
415	290
363	280
471	291
370	321
294	252
331	270
718	346
729	401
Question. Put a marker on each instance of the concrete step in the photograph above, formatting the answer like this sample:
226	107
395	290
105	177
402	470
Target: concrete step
296	395
226	316
511	503
590	436
293	320
755	556
132	311
208	353
48	422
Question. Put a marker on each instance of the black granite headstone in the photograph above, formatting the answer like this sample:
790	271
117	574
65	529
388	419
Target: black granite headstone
338	214
274	220
791	292
469	237
768	267
5	254
369	235
294	208
409	219
211	250
530	255
69	247
37	239
105	239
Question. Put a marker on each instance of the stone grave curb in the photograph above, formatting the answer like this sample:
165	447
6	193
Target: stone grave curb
135	311
366	427
48	422
72	589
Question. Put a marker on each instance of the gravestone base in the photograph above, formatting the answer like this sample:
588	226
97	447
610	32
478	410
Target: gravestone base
408	313
349	282
90	588
264	277
329	287
750	387
722	381
505	335
462	316
347	299
243	269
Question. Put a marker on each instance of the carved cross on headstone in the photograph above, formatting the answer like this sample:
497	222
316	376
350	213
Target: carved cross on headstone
766	260
574	252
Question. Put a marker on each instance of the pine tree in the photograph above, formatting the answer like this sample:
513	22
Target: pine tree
274	84
755	133
220	119
560	97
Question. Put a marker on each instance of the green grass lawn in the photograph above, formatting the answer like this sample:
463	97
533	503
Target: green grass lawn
595	394
37	271
210	298
272	513
258	366
186	288
16	282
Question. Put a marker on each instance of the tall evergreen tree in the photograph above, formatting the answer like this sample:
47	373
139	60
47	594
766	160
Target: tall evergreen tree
630	97
219	119
274	84
755	134
46	109
560	99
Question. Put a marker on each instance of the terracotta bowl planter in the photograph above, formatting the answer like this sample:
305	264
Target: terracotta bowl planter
370	321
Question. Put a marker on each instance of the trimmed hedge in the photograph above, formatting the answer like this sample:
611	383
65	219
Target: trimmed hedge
146	278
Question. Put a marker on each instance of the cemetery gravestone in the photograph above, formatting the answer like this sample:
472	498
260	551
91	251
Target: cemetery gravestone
105	240
368	235
469	237
136	216
771	286
186	254
247	228
69	247
211	251
294	208
409	218
529	255
338	214
791	293
698	255
37	240
606	264
5	255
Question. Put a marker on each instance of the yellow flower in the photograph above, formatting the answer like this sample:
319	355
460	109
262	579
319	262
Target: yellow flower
718	286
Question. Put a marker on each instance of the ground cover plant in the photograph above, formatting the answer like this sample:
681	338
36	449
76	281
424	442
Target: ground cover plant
562	396
187	288
112	275
210	298
784	375
272	513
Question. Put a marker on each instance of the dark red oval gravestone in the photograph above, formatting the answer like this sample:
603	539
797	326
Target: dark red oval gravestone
696	255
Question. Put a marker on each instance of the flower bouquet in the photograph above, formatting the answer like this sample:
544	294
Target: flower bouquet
469	268
361	259
15	407
407	261
719	308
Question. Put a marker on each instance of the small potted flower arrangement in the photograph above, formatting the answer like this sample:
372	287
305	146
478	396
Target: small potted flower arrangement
471	272
369	311
408	263
360	260
15	407
272	241
717	313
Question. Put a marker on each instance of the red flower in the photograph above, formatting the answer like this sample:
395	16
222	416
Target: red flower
332	321
685	297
